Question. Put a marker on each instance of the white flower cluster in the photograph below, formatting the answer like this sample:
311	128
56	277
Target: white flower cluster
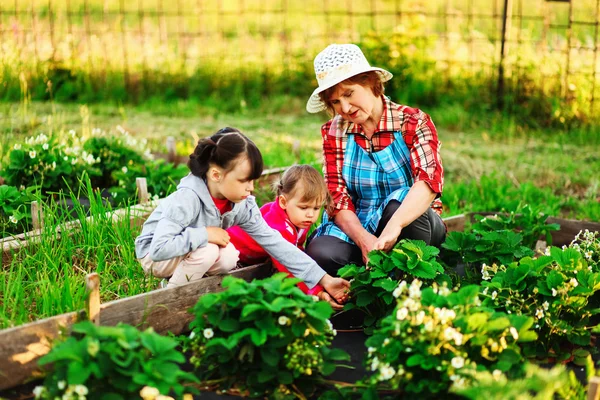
72	392
152	393
587	243
488	272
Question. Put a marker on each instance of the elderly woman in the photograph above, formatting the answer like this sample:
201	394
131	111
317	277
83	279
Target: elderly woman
381	163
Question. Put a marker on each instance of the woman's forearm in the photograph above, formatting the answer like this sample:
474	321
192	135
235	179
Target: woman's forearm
416	202
349	223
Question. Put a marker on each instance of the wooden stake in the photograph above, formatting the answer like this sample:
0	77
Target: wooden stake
142	187
171	154
92	282
593	392
37	216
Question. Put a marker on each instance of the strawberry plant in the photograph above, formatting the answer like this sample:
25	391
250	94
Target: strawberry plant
556	291
526	220
435	339
102	362
373	287
472	250
264	338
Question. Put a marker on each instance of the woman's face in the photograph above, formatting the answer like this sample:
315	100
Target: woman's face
354	102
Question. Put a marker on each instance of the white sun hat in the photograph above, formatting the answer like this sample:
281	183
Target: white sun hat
335	64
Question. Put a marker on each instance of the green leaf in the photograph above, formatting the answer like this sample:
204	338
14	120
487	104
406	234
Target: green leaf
266	375
349	271
229	325
498	324
528	336
250	309
77	374
554	280
281	302
270	356
285	377
259	337
387	284
580	337
414	360
510	356
477	320
364	299
338	355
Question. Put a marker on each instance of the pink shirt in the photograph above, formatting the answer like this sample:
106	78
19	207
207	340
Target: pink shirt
252	253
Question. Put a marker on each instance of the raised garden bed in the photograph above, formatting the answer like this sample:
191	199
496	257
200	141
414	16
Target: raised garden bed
166	311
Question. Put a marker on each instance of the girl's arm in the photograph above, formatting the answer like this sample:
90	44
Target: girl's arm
172	235
297	262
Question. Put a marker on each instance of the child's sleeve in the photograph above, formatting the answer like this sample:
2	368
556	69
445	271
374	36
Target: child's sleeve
291	238
297	262
173	235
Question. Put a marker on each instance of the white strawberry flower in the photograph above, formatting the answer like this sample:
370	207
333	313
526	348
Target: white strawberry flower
283	320
458	362
208	333
401	314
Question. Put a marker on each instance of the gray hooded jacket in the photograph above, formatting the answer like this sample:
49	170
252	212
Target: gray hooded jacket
178	226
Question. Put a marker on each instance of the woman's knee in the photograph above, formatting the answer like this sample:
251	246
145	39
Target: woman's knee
332	253
429	228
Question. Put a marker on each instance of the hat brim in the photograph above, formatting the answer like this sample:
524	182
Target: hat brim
315	104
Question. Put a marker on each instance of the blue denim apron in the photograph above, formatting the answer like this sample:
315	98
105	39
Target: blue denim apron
372	180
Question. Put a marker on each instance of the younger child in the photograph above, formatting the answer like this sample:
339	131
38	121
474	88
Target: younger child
185	238
301	192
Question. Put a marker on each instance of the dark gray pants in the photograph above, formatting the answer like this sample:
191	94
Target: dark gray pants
332	253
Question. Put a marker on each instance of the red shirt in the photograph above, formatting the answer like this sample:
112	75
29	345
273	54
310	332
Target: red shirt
223	205
252	253
418	132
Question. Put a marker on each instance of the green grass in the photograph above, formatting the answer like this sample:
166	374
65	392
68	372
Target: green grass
232	55
47	278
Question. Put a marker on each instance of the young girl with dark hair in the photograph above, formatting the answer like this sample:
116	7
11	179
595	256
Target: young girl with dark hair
185	238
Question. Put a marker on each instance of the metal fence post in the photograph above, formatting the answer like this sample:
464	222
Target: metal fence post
506	16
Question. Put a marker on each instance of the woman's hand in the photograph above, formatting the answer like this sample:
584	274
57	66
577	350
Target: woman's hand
338	288
324	296
367	245
217	236
388	238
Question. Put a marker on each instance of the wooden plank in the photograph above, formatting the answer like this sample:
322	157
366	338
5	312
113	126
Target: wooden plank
569	228
166	310
593	388
12	244
22	346
455	223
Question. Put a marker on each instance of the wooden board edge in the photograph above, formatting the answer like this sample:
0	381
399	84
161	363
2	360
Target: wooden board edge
22	346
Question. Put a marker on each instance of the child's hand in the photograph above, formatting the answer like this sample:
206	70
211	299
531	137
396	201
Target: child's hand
324	296
217	236
337	288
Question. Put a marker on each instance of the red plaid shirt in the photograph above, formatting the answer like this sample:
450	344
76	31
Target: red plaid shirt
418	132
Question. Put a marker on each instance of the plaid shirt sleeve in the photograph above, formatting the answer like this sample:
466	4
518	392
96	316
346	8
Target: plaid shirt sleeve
421	138
333	161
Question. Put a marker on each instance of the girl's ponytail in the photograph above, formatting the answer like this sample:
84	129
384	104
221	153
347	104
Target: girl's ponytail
221	149
201	158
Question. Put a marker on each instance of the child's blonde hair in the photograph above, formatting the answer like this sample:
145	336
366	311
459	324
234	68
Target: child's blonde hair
308	179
